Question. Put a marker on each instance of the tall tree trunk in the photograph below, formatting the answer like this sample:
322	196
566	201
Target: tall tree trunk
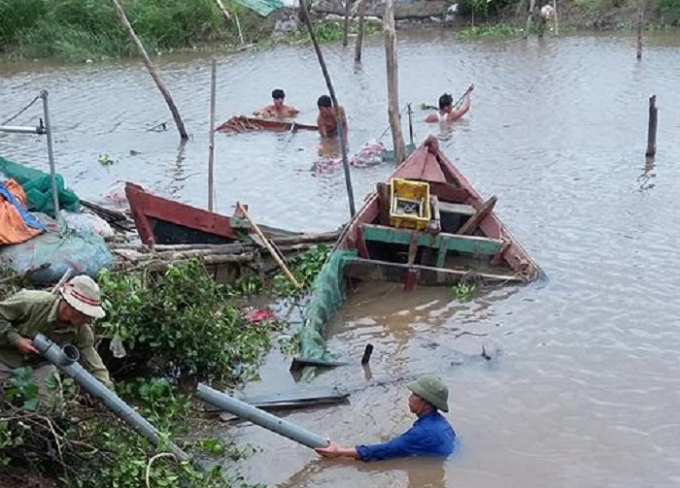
640	22
152	69
393	81
530	16
361	11
345	29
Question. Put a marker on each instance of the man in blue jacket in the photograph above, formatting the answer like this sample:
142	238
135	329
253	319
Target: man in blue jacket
431	435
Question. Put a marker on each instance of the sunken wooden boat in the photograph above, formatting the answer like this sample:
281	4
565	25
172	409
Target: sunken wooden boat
241	123
427	225
166	222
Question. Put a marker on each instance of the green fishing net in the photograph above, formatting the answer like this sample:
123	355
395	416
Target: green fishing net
326	298
38	188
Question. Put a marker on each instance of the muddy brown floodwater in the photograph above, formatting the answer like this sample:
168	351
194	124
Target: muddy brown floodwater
585	386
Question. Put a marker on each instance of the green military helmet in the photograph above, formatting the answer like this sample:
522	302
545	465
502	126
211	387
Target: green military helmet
432	390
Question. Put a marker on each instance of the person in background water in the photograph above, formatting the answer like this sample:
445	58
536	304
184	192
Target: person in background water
277	108
64	318
447	112
327	121
431	435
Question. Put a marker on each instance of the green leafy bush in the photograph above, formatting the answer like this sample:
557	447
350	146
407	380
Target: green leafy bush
180	323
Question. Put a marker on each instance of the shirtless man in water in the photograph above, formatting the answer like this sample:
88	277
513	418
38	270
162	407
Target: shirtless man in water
277	108
326	121
447	113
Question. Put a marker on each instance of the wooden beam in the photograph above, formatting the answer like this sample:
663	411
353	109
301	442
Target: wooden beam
368	269
448	192
452	242
393	82
120	13
473	222
457	208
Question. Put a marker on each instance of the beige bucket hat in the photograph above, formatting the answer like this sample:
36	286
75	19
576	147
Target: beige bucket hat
82	293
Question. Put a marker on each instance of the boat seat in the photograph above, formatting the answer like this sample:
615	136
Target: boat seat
444	242
456	208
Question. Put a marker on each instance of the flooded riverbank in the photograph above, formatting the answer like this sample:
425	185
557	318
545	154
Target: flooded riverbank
585	388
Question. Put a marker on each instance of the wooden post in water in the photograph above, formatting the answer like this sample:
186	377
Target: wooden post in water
557	22
640	21
530	16
361	11
345	28
651	128
211	147
152	69
393	81
338	119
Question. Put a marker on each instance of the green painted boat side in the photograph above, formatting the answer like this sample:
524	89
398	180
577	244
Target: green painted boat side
450	242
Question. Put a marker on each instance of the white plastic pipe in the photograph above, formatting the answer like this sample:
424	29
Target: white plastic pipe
67	362
260	417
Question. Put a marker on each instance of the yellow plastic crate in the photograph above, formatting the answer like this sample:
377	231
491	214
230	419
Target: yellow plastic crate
409	204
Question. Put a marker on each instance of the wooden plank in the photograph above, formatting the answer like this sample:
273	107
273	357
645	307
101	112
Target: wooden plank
436	222
473	222
452	242
441	256
383	190
448	192
367	269
457	208
361	244
299	363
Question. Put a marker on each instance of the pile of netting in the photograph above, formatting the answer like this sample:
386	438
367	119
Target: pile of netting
37	186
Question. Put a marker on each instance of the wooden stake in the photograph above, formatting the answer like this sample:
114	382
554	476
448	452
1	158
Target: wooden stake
393	81
211	147
557	23
651	128
269	247
343	143
152	69
527	26
345	28
640	21
361	11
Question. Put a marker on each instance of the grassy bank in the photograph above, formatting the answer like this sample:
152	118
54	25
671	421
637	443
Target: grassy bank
77	30
89	29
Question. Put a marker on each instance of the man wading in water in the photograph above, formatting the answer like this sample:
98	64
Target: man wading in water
447	113
326	121
277	108
431	435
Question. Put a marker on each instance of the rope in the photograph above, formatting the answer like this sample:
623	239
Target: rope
21	111
388	125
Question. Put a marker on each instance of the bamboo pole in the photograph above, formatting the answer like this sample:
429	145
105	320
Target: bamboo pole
651	128
152	70
640	21
211	147
343	143
345	28
269	247
393	81
361	11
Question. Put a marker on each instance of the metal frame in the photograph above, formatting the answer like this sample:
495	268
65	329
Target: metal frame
42	129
